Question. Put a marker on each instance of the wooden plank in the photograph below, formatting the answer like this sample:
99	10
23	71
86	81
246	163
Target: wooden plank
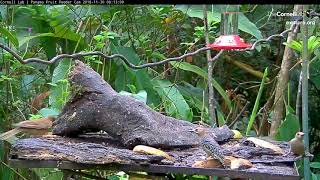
150	168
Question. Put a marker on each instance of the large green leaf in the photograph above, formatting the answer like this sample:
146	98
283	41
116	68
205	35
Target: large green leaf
257	102
315	165
142	78
195	69
60	32
175	103
28	38
141	95
48	112
245	24
5	32
120	81
194	95
288	128
59	84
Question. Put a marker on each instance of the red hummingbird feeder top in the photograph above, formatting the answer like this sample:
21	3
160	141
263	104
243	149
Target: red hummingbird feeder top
229	42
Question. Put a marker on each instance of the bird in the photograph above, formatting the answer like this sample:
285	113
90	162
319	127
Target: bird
209	145
297	146
36	127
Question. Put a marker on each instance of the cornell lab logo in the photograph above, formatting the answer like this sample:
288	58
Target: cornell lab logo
310	13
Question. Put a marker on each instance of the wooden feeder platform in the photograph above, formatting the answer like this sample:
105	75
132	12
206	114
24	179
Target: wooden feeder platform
101	152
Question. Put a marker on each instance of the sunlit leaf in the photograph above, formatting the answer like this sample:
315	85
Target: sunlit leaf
5	32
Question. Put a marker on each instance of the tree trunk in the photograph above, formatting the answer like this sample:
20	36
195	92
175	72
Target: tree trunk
283	78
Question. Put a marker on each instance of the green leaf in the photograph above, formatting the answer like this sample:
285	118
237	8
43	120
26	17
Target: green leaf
294	45
60	32
195	69
288	128
315	176
53	84
57	97
28	38
194	95
221	119
141	95
49	173
5	32
174	101
142	79
257	102
49	112
120	81
315	165
314	73
245	24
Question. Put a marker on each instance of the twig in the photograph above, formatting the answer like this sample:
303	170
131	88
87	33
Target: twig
239	115
269	38
212	107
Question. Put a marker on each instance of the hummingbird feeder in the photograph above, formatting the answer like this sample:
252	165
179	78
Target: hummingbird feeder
229	38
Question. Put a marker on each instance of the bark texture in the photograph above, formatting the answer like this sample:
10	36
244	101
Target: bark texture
283	77
95	106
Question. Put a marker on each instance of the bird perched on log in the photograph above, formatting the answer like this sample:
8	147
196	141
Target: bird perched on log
37	127
297	146
209	145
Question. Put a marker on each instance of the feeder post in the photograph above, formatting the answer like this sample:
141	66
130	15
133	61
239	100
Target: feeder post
305	118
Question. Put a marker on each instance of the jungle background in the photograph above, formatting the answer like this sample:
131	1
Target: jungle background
151	33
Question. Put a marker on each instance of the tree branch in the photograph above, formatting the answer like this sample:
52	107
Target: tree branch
212	106
125	60
270	37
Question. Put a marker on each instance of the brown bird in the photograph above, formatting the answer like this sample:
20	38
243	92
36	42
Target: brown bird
36	127
297	146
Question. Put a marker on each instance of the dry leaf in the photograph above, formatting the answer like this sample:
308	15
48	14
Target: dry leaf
239	163
150	150
208	163
265	144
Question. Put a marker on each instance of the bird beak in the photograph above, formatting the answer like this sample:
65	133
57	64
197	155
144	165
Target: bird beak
192	130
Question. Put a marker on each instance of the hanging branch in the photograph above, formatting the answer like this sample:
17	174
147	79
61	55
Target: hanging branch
97	53
281	35
125	60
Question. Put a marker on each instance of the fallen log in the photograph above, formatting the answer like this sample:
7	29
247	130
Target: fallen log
99	151
69	149
95	106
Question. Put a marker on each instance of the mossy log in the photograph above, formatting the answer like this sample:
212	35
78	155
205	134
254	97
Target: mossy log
94	105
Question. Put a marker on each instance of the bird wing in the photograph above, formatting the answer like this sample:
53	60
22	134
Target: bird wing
8	134
213	148
35	124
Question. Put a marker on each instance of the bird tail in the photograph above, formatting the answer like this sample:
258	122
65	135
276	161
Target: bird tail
8	134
